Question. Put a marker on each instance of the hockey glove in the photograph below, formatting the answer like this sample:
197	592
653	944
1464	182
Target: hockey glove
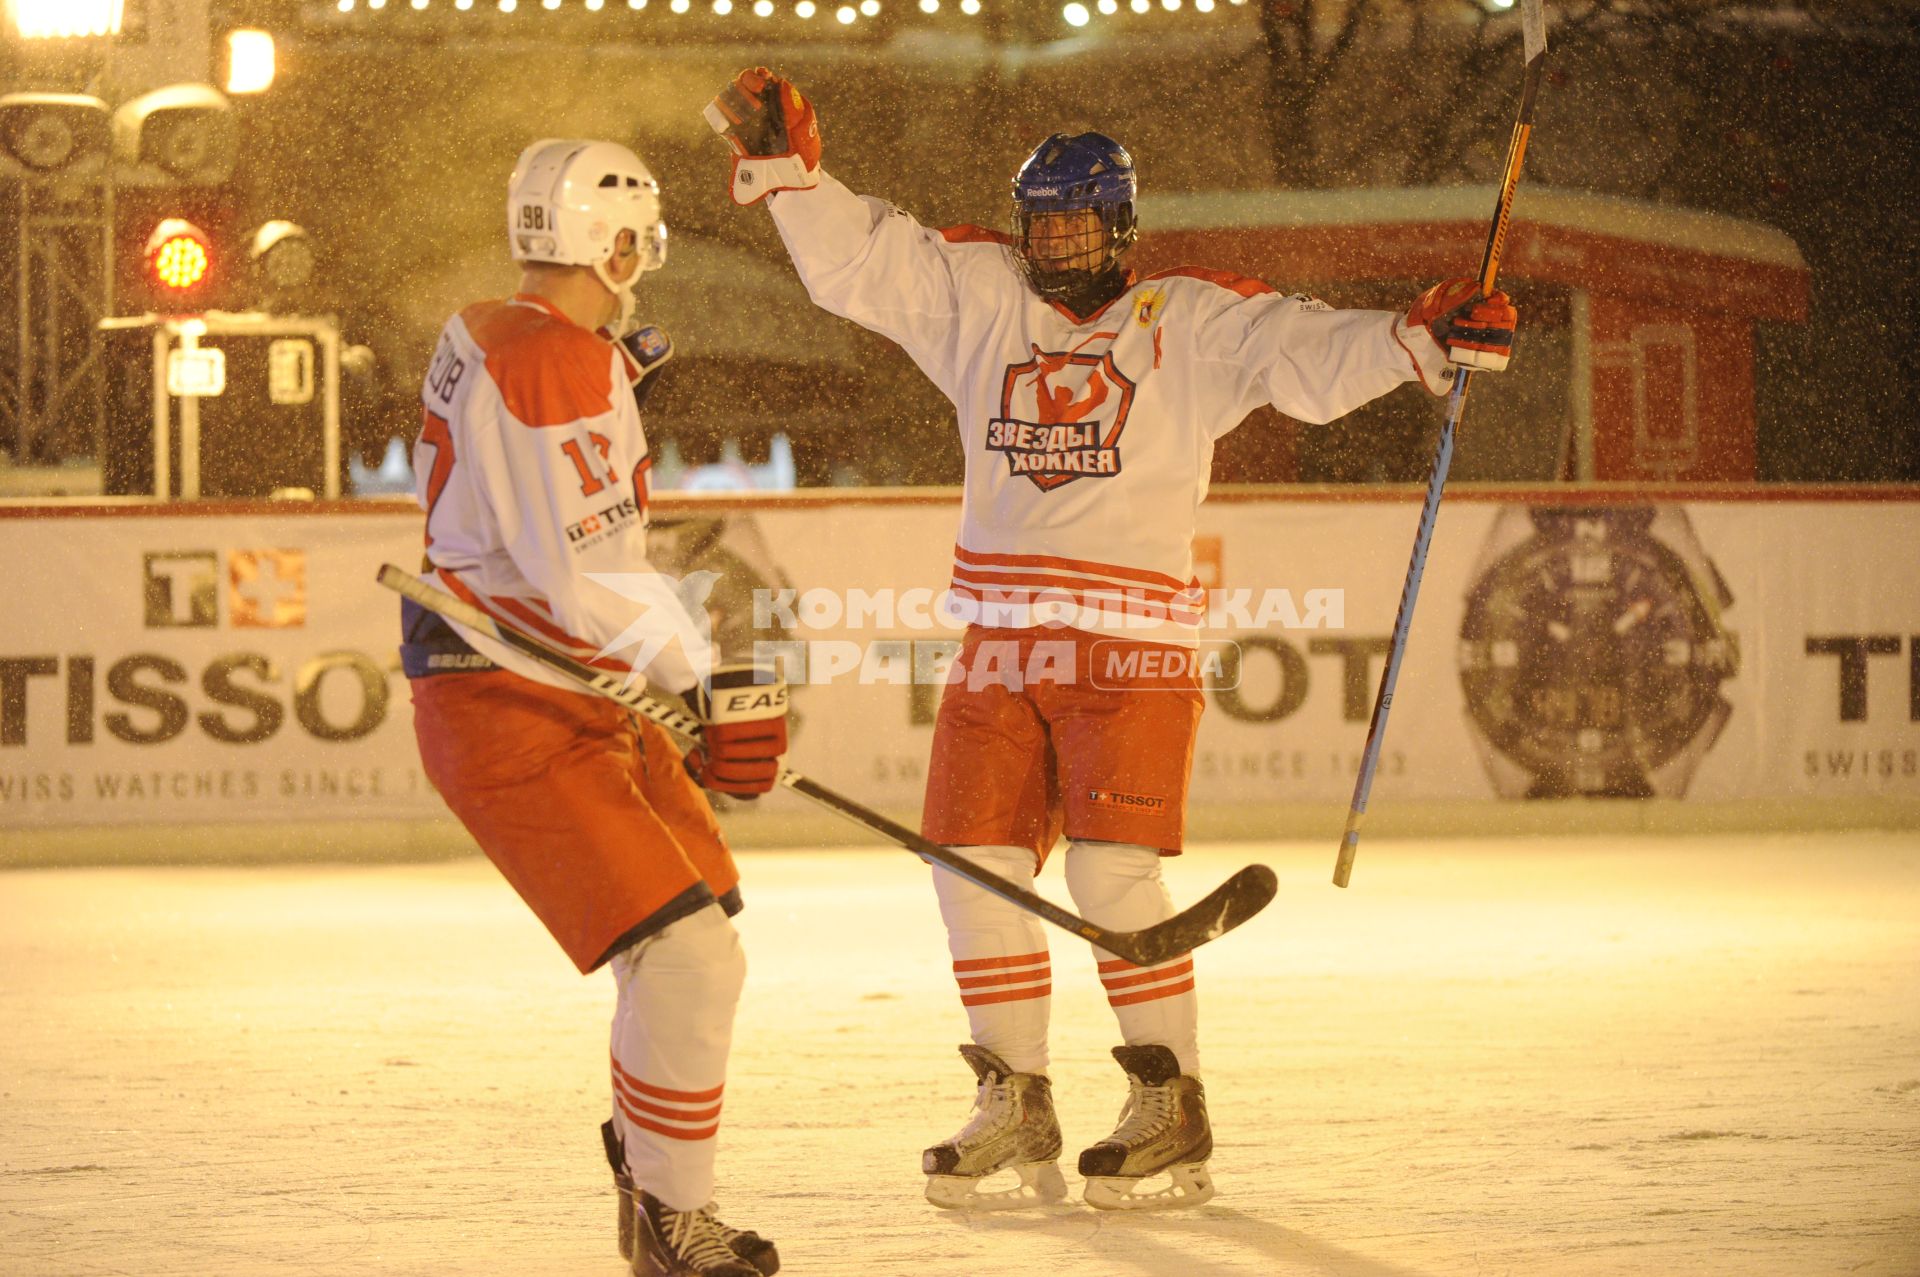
647	349
770	126
1475	329
744	708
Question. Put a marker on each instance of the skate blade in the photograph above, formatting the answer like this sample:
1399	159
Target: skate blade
1040	1184
1186	1187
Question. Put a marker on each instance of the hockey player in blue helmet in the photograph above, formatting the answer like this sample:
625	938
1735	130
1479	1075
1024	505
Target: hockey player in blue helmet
1088	403
1073	219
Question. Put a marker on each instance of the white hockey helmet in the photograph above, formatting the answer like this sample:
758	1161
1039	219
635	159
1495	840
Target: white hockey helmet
568	201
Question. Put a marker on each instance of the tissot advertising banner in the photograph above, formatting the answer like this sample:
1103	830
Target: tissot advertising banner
202	669
173	668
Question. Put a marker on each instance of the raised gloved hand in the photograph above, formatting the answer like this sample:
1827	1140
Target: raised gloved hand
770	126
1475	329
647	348
744	709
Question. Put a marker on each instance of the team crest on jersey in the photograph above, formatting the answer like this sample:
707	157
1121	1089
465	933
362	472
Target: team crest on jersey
1061	416
1147	306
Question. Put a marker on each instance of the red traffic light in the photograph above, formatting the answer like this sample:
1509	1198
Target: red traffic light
179	256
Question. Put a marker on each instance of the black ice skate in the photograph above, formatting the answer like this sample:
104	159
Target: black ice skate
690	1243
750	1246
1012	1128
1163	1128
622	1185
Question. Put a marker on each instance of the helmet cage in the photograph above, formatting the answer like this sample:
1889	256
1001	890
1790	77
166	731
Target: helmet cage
1058	263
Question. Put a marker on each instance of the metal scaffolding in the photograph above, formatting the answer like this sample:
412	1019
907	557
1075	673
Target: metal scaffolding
52	389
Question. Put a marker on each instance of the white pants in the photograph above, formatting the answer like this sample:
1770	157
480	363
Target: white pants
672	1029
1002	966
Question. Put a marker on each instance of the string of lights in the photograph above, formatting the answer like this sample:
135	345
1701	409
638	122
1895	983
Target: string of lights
805	10
1076	13
64	19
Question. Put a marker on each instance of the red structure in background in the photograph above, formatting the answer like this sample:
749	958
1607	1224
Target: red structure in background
1661	302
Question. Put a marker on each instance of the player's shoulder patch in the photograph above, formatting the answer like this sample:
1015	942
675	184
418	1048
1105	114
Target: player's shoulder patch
549	372
1226	279
651	341
967	234
1308	302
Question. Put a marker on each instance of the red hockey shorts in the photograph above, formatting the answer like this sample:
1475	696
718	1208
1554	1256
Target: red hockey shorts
584	808
1043	730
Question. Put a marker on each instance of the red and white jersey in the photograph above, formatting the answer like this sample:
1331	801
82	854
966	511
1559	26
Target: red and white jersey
534	473
1089	442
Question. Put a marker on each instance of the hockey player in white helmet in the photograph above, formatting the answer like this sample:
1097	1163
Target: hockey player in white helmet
591	204
1088	402
535	475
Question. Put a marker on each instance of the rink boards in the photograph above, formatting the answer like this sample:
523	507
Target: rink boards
170	665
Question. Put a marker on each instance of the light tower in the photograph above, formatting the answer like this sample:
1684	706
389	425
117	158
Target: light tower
63	157
55	164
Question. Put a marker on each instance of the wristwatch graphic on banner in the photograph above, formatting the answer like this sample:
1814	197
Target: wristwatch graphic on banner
1593	650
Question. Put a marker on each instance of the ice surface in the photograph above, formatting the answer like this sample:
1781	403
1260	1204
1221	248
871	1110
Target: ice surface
1550	1058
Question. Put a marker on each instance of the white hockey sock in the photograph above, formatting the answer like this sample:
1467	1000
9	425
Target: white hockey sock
1000	958
672	1028
1119	887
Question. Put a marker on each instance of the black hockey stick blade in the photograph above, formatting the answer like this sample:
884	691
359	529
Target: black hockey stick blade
1229	905
1225	907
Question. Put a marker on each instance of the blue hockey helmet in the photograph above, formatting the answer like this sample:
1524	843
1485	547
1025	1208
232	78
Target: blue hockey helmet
1064	174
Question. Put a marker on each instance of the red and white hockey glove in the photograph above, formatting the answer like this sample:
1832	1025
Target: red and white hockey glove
744	708
645	350
1475	329
770	126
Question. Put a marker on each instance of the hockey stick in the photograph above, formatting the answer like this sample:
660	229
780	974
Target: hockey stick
1533	27
1230	904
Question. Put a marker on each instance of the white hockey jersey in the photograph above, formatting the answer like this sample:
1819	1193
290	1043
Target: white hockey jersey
1089	442
534	473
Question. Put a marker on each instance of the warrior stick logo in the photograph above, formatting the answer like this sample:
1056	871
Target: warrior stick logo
1061	415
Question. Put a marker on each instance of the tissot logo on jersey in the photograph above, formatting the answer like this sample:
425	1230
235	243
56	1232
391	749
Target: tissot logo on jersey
1061	416
601	524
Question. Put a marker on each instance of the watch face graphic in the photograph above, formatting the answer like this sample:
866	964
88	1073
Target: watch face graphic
1592	653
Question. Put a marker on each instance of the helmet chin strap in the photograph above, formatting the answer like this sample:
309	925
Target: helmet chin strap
622	323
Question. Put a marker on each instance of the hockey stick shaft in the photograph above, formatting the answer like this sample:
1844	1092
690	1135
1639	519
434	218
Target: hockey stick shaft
1534	40
1236	900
